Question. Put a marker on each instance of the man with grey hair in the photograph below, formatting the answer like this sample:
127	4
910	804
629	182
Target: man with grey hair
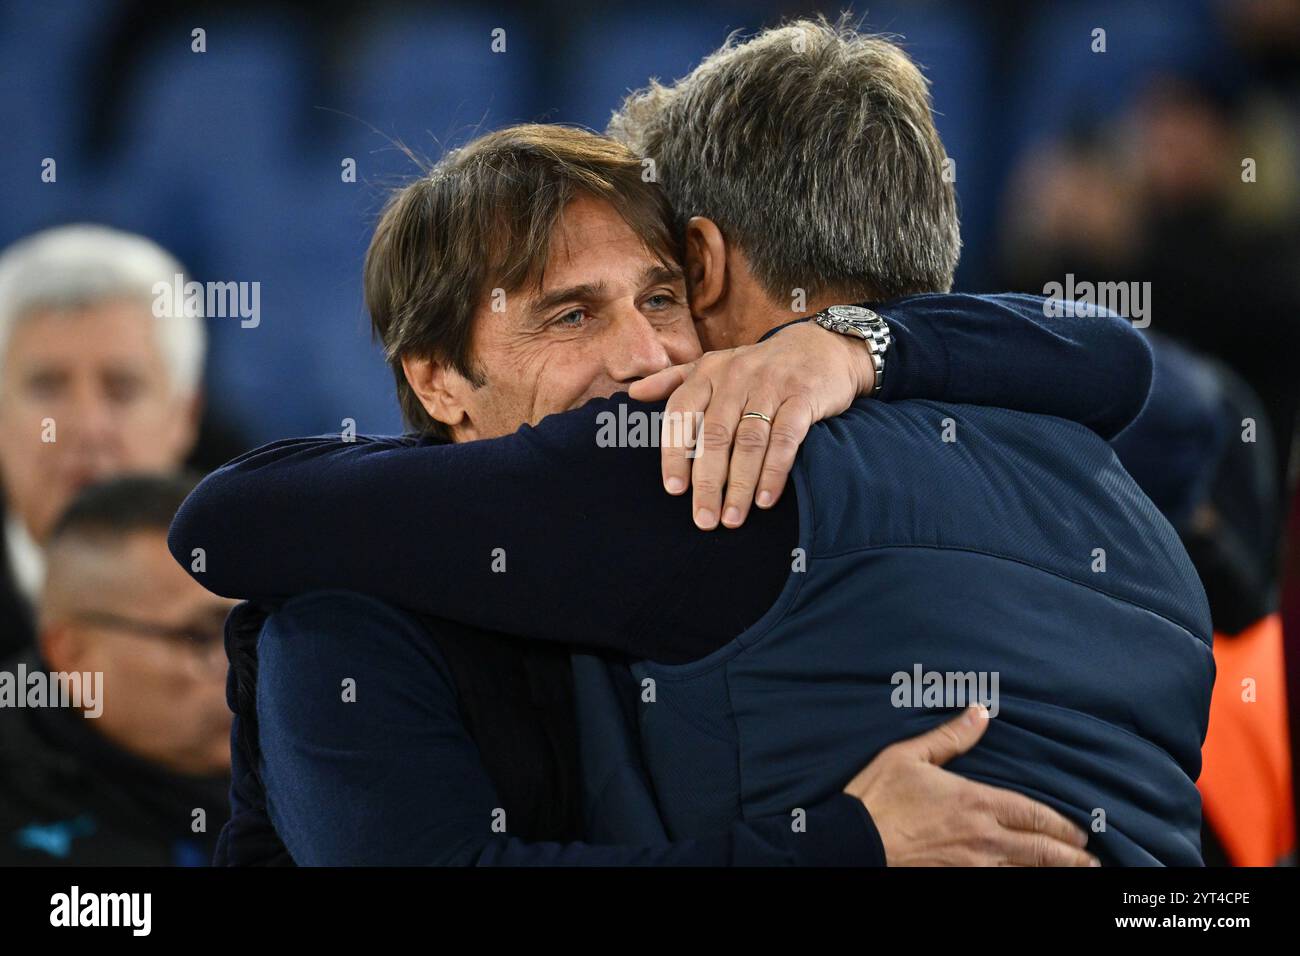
812	150
804	171
806	159
98	377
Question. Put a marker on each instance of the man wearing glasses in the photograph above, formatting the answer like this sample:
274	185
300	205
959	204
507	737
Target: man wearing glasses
145	781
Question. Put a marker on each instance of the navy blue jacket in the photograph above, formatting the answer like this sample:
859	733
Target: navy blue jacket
401	774
1002	557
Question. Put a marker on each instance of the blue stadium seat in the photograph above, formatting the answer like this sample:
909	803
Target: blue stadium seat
47	55
951	45
309	364
611	54
430	81
1058	80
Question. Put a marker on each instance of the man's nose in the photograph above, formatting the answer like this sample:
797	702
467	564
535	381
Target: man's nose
639	349
90	428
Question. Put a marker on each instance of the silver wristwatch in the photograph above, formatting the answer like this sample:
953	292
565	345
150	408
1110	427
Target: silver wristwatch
862	322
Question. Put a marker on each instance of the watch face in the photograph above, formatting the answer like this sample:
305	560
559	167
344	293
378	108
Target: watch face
851	313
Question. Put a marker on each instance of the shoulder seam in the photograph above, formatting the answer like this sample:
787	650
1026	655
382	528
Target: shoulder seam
1181	625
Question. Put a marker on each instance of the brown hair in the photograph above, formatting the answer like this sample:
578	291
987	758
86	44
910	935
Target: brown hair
486	213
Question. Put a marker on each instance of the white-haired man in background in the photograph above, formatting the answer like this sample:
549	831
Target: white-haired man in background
94	382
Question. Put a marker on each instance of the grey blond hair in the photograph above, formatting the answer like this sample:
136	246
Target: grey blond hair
813	149
70	267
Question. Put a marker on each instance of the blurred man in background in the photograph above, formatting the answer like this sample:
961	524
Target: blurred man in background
144	781
93	383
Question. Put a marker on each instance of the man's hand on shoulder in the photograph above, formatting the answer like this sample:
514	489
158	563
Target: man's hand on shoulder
754	406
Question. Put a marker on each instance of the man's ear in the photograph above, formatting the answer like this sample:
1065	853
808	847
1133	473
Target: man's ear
61	648
440	389
706	264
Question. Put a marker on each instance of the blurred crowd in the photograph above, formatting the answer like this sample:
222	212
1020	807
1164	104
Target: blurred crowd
1179	168
1191	191
124	757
